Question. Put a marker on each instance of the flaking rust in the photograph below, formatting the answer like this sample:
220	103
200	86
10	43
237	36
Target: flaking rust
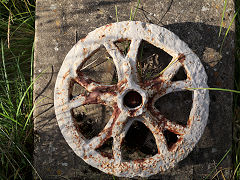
131	98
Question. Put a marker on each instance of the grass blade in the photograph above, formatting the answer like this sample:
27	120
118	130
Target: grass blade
228	30
223	13
236	169
132	14
25	93
10	119
116	13
5	154
135	11
21	153
5	6
216	89
225	155
28	9
5	71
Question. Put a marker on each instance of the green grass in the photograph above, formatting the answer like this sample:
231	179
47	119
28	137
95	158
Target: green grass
16	141
236	104
16	103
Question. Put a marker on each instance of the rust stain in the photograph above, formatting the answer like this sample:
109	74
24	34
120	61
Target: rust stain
85	50
66	74
116	111
173	147
181	58
189	122
109	25
92	98
106	154
120	86
83	80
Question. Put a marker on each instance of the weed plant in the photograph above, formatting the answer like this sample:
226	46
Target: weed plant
16	131
236	105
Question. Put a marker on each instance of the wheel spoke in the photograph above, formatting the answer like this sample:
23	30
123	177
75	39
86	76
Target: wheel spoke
95	97
171	69
158	88
132	57
99	140
118	133
73	103
177	86
77	101
107	98
164	78
117	58
156	127
173	126
126	66
117	129
89	84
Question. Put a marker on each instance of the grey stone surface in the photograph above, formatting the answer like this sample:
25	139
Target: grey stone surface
59	24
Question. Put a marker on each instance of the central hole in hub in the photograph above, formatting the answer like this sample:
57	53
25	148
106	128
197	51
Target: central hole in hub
132	99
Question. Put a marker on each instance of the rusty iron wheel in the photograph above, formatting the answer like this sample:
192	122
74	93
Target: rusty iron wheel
132	99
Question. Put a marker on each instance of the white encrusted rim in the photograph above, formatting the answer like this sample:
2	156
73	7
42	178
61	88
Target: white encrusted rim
161	38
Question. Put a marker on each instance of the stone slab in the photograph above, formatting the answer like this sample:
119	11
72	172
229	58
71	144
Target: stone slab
59	24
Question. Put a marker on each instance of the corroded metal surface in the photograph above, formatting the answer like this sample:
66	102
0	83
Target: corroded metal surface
131	99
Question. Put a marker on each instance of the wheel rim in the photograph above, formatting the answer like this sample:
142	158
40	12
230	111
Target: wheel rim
113	95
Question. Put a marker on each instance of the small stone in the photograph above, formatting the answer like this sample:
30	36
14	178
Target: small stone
204	9
64	164
211	56
53	7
